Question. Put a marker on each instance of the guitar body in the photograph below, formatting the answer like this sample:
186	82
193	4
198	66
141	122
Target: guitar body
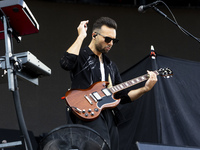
87	104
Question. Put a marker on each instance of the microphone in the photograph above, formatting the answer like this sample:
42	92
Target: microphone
142	8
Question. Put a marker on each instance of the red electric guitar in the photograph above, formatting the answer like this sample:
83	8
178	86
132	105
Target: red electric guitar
87	104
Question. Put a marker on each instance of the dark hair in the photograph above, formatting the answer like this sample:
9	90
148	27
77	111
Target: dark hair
104	21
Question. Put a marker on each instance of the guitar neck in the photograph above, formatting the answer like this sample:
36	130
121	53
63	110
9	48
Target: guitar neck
129	83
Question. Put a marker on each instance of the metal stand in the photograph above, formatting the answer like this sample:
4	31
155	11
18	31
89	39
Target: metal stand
15	12
13	86
11	144
164	15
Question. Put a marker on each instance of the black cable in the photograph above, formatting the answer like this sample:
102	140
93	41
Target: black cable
176	22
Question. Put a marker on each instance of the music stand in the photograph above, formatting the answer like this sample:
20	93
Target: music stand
17	20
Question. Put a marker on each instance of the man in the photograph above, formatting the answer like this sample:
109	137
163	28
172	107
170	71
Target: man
90	65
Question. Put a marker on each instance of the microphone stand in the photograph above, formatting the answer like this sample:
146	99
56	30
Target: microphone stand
164	15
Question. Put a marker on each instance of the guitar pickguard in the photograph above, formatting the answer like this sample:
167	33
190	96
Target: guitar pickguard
105	100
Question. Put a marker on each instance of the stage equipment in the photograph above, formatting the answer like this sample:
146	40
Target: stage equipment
14	135
28	67
73	137
20	18
148	146
152	5
16	21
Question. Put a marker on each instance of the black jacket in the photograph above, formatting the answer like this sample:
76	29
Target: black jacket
85	70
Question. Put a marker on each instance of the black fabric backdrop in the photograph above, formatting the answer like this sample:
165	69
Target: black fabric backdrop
170	113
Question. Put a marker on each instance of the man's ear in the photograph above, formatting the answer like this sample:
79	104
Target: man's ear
94	35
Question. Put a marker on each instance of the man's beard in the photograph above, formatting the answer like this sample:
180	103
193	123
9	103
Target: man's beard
101	50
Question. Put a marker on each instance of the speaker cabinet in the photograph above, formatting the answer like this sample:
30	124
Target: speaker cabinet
145	146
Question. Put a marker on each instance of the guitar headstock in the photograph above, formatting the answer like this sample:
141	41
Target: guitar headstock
165	72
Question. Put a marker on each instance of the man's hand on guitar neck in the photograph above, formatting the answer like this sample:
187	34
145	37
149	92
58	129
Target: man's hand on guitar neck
151	81
137	93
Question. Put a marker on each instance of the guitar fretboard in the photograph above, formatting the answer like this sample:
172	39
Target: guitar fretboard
129	83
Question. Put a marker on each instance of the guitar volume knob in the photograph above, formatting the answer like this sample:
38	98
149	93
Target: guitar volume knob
96	109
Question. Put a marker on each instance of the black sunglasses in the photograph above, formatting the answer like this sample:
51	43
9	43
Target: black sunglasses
108	39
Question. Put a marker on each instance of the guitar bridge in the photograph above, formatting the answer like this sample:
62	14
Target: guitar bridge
93	98
88	99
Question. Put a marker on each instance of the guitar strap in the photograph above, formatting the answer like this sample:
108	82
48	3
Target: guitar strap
110	81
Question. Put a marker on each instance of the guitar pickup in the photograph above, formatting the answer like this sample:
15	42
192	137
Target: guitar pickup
106	92
96	96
